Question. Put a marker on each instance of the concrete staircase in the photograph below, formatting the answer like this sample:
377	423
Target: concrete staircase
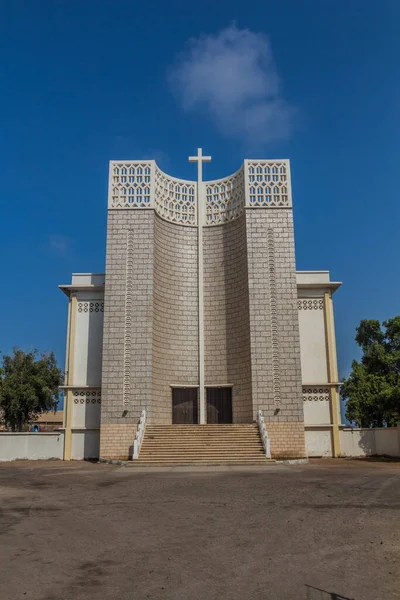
178	445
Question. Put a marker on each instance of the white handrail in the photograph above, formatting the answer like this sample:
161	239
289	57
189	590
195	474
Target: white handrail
264	434
137	442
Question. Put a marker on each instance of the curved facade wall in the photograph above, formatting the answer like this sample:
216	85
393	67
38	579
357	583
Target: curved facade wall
152	333
175	314
226	314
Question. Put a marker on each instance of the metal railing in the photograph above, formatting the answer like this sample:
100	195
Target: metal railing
264	434
137	442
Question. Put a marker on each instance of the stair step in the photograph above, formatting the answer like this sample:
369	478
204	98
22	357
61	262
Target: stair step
231	438
205	449
207	445
194	438
198	448
202	455
186	436
218	443
223	429
206	463
165	444
203	436
200	460
201	429
197	440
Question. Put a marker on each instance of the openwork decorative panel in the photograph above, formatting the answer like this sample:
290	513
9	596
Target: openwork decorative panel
175	199
225	198
257	184
316	393
86	408
268	184
130	184
310	304
90	306
87	396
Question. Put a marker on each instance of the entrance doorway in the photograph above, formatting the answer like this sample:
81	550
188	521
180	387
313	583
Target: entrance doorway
184	406
219	405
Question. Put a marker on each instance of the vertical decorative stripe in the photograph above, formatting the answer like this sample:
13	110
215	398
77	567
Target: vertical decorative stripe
128	317
273	317
332	372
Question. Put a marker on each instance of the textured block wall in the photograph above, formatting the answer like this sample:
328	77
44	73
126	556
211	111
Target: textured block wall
251	322
175	314
116	441
127	345
274	326
226	314
287	439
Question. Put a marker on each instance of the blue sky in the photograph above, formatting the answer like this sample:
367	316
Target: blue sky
84	82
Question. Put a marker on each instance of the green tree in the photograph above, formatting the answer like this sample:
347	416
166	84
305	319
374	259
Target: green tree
28	386
372	390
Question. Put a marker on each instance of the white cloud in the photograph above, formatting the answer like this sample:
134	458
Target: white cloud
232	75
60	244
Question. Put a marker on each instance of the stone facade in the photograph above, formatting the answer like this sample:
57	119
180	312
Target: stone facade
175	314
116	440
274	326
226	314
151	318
287	439
128	323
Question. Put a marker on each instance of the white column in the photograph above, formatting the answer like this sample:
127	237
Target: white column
200	222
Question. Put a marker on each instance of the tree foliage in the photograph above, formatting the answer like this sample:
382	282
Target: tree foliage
28	386
372	390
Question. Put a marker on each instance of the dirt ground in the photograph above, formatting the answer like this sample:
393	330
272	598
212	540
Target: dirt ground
324	531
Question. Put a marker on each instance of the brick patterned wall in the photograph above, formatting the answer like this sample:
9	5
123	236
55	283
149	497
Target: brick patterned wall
175	315
287	439
139	366
274	327
251	322
116	441
226	314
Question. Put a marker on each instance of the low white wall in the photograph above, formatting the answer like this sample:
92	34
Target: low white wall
31	446
357	442
318	441
354	442
85	444
387	441
369	442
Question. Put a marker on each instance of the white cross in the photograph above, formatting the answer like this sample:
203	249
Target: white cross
199	159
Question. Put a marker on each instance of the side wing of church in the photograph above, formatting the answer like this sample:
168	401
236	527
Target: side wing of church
201	318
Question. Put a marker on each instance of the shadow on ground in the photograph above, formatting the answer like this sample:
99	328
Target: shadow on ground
314	593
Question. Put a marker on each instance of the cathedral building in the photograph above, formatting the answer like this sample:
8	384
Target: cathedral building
201	333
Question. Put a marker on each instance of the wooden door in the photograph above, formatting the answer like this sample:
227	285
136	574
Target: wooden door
219	405
184	406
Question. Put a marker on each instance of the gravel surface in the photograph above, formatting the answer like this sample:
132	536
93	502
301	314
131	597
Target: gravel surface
328	530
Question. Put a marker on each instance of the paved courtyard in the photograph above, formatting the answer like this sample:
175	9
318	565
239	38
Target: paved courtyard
324	531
